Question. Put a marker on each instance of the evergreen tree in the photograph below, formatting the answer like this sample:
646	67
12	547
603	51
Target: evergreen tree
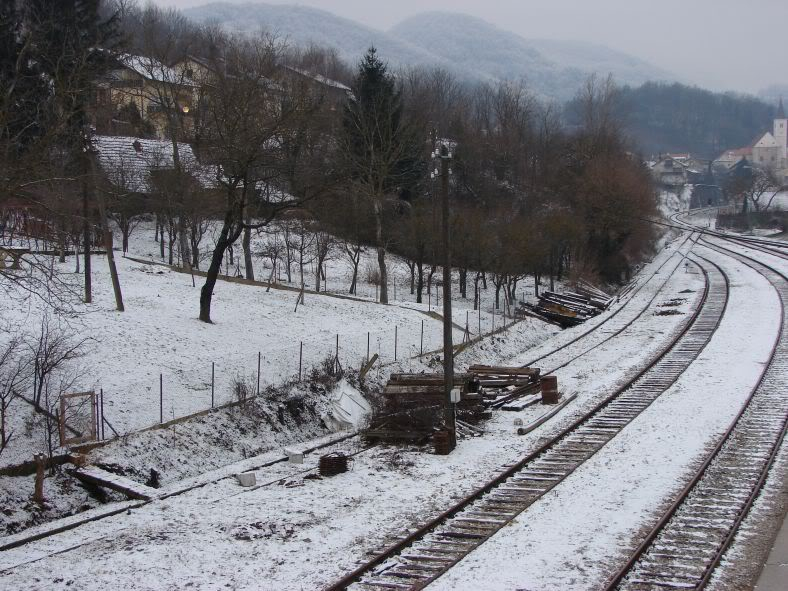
380	149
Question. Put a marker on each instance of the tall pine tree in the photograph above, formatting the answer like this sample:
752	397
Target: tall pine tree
379	148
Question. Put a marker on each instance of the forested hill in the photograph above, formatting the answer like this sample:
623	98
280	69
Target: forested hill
470	48
677	118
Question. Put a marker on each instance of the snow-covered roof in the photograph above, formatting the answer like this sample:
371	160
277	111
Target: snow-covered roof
152	69
128	161
321	79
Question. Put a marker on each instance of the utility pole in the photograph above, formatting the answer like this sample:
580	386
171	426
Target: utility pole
448	350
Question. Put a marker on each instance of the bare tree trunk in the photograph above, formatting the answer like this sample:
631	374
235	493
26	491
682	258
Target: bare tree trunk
384	279
419	282
86	239
354	280
183	244
113	270
160	226
38	494
206	293
247	248
195	249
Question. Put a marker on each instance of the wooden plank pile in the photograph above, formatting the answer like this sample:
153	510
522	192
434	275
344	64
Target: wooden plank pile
507	388
414	405
569	308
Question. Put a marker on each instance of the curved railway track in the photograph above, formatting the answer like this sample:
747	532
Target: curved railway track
425	554
691	538
34	537
612	318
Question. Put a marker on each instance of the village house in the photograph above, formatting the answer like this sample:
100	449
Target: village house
143	97
768	150
675	170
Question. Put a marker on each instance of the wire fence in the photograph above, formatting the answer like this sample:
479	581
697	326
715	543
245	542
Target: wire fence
177	393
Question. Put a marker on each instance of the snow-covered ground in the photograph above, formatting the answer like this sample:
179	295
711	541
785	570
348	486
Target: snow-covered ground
578	533
294	531
301	533
159	335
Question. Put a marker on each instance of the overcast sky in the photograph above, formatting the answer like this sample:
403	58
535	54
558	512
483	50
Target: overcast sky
718	44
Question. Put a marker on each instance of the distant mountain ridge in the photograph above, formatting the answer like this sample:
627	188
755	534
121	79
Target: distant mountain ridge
468	46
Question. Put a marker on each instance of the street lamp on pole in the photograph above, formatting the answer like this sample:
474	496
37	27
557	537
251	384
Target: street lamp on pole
445	156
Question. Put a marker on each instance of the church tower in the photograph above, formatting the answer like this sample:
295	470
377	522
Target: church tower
781	130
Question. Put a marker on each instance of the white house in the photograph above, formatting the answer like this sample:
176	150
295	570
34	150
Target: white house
771	149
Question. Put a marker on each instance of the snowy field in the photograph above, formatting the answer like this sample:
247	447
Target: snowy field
307	532
159	336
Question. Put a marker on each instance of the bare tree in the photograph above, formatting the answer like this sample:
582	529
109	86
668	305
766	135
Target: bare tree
252	118
13	376
325	244
51	352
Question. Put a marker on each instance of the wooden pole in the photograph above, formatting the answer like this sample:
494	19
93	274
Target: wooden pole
368	345
300	359
101	394
336	354
421	341
259	356
395	342
38	494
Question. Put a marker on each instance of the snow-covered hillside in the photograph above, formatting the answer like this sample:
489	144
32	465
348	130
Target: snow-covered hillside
470	47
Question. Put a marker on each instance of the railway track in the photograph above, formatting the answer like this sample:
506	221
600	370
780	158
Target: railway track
423	555
610	322
690	539
57	530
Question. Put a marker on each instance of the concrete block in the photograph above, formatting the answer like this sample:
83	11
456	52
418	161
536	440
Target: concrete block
246	479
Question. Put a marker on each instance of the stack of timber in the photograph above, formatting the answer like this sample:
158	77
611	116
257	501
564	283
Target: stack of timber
569	308
507	388
414	406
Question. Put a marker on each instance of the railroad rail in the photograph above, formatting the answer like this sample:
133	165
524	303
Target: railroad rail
425	554
21	540
691	538
615	315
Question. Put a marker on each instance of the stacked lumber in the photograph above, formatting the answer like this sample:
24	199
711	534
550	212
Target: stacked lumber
414	406
503	387
568	308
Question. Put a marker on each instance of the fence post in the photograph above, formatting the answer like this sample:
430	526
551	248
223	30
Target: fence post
96	417
367	346
161	398
300	358
213	381
101	412
258	372
395	342
421	341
